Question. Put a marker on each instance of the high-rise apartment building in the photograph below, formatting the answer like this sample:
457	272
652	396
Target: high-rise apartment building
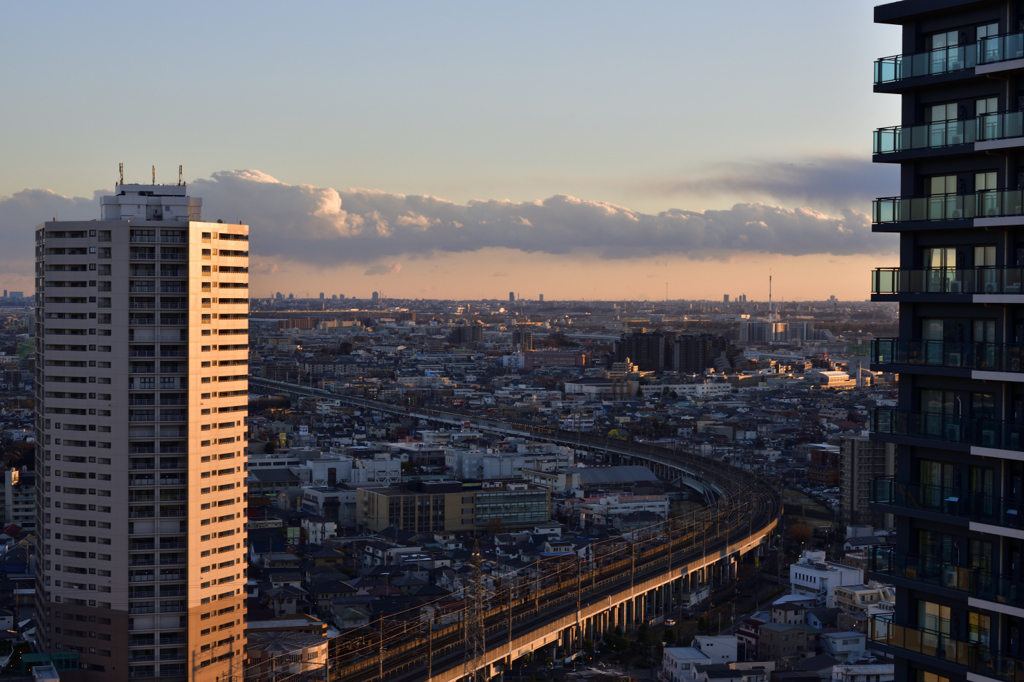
141	396
862	461
522	339
958	490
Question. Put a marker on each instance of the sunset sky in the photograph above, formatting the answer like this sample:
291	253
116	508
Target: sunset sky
591	150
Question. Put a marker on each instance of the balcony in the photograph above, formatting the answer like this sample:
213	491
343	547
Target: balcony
985	204
943	134
948	428
932	63
922	569
987	357
999	48
947	60
972	506
931	643
976	657
168	288
892	281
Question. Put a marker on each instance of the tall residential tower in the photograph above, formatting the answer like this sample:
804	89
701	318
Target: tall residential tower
958	489
141	396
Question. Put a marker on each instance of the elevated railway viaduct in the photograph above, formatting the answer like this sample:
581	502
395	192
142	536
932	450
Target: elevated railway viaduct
563	600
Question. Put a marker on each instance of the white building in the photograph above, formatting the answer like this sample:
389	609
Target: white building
677	663
333	469
812	576
142	395
721	649
876	672
704	389
598	511
319	528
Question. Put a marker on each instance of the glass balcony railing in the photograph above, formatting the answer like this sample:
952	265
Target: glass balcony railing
974	506
986	204
928	136
949	133
1000	48
988	433
921	569
977	582
932	63
949	59
933	643
990	357
976	656
947	280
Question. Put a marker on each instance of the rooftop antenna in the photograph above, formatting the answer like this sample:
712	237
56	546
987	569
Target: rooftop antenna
179	175
120	169
154	175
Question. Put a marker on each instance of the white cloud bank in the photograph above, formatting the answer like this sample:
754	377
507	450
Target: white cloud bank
324	227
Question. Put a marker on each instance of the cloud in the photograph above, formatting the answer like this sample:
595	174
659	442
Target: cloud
824	181
384	269
500	273
325	227
263	268
21	212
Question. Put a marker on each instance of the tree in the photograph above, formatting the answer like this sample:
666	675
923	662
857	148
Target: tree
702	624
345	348
800	533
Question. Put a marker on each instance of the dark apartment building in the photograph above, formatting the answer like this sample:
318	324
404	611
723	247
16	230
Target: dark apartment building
694	353
522	339
958	426
862	461
646	350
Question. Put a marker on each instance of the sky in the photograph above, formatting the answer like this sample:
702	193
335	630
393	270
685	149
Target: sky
580	150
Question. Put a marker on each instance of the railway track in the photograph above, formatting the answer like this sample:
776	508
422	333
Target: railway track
402	648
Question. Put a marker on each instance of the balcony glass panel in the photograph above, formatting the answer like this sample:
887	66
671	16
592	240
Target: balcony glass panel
922	569
990	357
990	509
994	126
984	204
988	433
987	280
1000	48
934	62
928	136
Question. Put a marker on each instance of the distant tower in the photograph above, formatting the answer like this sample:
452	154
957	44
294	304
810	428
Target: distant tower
375	296
321	295
725	299
511	297
541	299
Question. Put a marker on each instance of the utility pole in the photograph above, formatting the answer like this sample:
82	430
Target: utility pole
473	630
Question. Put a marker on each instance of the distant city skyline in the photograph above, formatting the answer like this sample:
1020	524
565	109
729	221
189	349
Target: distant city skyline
586	149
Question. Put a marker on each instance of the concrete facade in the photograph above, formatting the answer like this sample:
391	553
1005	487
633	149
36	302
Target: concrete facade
142	399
